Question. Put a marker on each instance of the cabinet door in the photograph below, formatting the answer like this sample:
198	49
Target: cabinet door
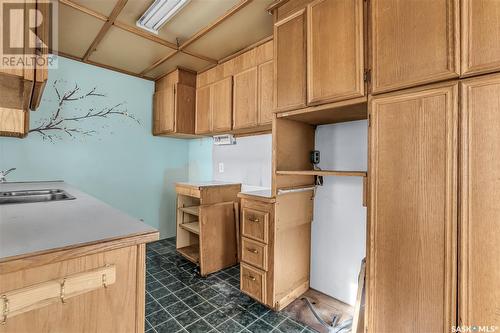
222	105
480	36
412	228
164	111
290	62
203	110
480	214
335	58
217	237
413	42
266	87
245	99
14	122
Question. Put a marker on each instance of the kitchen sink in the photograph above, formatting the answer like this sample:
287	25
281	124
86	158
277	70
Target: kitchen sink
27	196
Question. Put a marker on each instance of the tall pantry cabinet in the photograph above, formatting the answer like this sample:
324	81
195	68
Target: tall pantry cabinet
479	297
413	210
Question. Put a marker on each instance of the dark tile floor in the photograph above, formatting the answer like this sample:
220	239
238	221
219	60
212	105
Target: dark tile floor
179	300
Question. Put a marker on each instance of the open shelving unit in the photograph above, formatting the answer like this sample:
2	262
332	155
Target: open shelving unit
191	252
193	227
294	138
192	210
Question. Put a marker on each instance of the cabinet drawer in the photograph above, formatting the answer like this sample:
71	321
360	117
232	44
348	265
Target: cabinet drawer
254	253
253	282
255	225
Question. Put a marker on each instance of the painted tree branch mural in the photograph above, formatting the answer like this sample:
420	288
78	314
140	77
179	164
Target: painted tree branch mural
70	124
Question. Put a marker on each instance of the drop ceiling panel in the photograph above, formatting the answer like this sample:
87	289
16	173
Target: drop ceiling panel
74	40
249	25
128	51
104	7
196	15
179	60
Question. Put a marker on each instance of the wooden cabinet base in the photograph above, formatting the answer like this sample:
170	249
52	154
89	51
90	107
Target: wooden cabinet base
102	292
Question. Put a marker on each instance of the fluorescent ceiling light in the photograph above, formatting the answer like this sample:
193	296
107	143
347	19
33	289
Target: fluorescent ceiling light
159	13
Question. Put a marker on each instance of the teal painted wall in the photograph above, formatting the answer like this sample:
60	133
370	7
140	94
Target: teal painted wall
121	163
200	159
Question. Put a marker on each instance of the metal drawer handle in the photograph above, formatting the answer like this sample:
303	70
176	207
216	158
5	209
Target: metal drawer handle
256	220
252	278
252	250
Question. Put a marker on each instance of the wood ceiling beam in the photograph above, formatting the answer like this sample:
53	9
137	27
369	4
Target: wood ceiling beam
214	24
200	56
159	62
84	9
105	28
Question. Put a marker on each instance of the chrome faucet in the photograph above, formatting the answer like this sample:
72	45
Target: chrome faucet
5	173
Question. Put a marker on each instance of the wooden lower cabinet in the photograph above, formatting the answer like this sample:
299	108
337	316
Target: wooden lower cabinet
412	241
275	247
206	227
479	295
102	286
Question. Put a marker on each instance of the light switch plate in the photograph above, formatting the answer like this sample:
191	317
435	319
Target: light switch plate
221	167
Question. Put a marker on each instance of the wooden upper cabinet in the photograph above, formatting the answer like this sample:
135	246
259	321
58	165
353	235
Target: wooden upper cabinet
413	200
174	105
480	189
266	83
480	36
222	105
335	52
290	62
164	111
203	110
414	42
245	103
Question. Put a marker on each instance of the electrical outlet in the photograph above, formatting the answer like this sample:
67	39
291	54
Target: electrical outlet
221	167
315	157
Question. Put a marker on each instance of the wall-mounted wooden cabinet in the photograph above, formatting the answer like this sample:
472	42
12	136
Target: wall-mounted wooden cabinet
480	189
413	201
236	96
410	49
290	62
253	97
174	104
480	26
214	107
21	88
332	69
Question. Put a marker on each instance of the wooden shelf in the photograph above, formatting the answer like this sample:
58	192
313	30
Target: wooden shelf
337	112
193	227
193	210
191	253
324	173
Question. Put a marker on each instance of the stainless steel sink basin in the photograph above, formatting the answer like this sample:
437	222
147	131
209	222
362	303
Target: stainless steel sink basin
17	197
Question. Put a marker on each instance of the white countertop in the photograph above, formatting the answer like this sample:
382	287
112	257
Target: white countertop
208	183
259	193
36	227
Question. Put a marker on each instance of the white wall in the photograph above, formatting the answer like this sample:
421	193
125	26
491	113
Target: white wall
248	161
339	226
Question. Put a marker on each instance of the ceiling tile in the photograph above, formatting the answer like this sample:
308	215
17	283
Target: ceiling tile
247	26
179	60
128	51
74	40
104	7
